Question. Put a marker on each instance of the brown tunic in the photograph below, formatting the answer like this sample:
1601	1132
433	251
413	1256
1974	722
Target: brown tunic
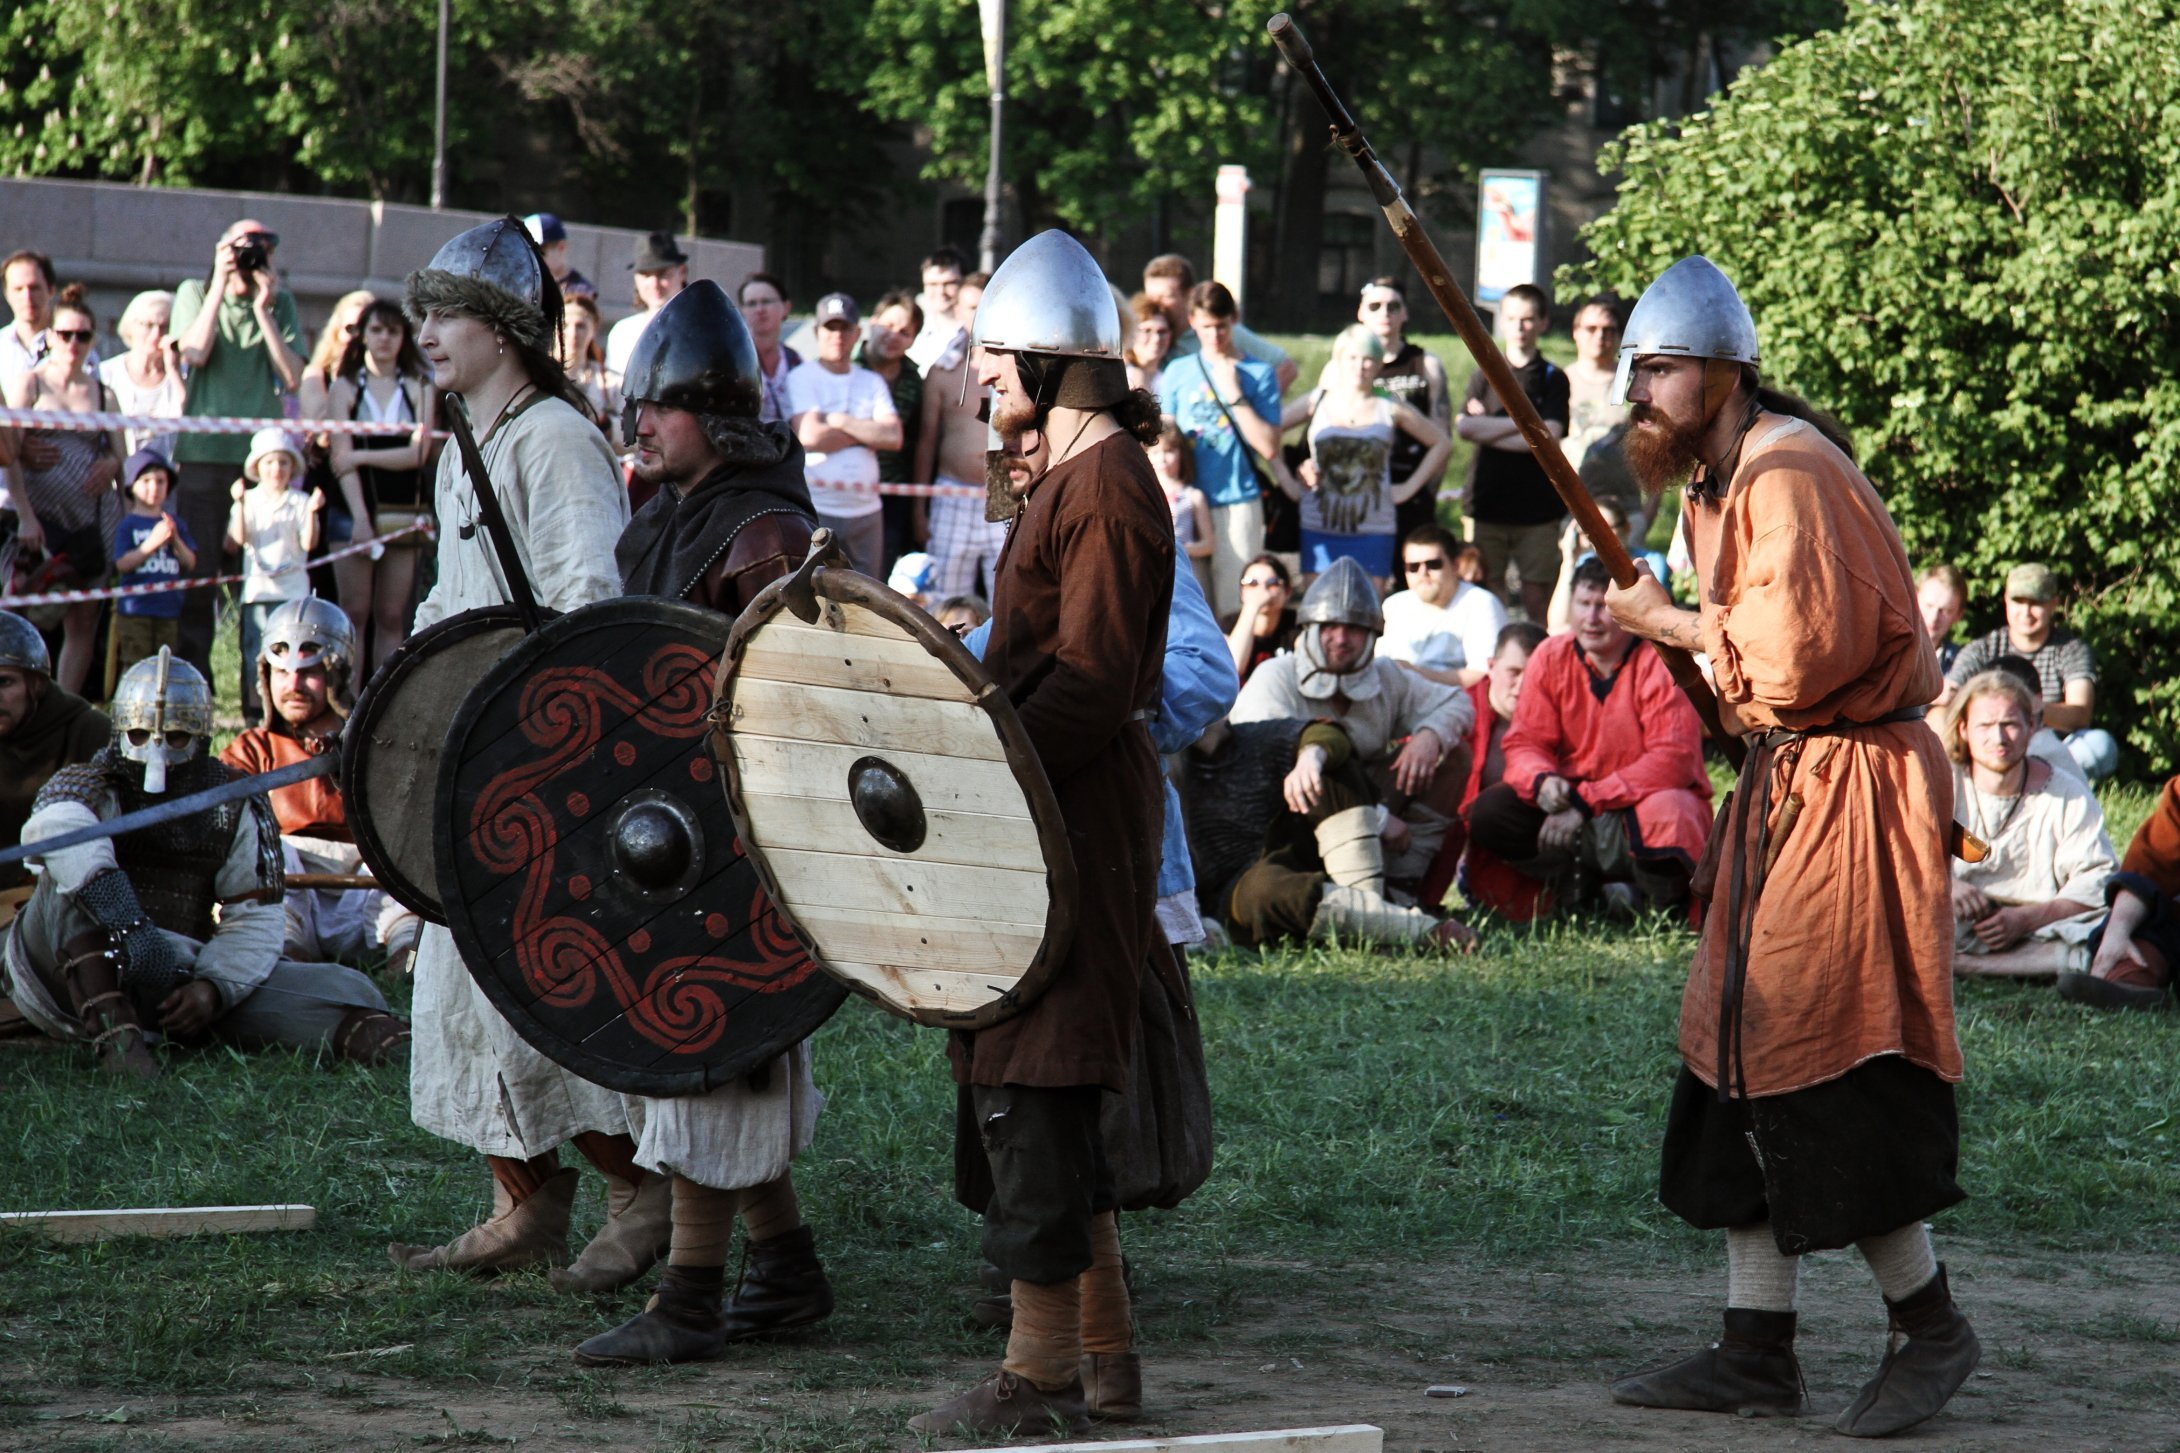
1809	620
1078	643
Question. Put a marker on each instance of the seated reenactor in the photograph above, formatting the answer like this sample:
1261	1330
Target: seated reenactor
1407	731
175	925
303	674
1604	795
2133	952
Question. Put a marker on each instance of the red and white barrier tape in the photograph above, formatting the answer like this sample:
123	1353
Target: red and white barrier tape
190	582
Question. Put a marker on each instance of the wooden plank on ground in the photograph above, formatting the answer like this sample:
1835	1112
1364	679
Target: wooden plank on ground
786	768
965	944
829	658
926	989
1347	1438
891	885
875	723
162	1221
815	825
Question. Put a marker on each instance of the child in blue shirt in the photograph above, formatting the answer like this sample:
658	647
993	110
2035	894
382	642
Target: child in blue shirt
150	546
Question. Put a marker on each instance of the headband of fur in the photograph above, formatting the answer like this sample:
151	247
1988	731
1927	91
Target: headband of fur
436	288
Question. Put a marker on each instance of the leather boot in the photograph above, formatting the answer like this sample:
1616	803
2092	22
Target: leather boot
782	1287
682	1323
1931	1352
95	994
639	1226
528	1232
371	1037
1751	1371
1002	1403
1112	1386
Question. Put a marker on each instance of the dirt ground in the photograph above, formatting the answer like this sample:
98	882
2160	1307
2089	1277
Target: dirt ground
2078	1354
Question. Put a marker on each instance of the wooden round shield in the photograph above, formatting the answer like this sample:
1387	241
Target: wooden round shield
390	765
590	872
883	783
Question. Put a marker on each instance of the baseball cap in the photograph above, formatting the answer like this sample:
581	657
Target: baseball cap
836	308
545	227
2032	582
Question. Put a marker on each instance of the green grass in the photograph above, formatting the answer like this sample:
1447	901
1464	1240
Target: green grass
1504	1109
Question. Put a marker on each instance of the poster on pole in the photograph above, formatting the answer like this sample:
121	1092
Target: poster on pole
1509	232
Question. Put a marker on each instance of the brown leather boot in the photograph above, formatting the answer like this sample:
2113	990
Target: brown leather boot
370	1037
639	1225
681	1323
1931	1352
782	1286
1002	1403
1112	1386
1751	1371
530	1232
95	994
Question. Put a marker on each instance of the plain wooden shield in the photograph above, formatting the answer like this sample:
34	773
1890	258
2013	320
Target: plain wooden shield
888	792
390	766
590	870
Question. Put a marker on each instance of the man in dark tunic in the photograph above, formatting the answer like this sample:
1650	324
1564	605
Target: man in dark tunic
729	515
1078	643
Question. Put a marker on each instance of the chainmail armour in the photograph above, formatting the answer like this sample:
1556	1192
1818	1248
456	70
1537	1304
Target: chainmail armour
1232	800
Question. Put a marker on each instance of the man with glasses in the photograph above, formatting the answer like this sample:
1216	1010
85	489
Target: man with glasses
239	336
1413	377
764	312
1596	425
1440	627
942	342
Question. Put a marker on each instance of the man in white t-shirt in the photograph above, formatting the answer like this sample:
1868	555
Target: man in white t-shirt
661	270
843	415
1440	627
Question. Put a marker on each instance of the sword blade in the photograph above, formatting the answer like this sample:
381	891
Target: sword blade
181	806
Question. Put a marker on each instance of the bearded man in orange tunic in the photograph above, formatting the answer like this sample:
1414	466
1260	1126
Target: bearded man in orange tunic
1814	1108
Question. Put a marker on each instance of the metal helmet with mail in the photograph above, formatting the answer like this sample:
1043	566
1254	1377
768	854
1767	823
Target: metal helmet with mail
1692	310
492	272
1343	596
304	633
1049	304
695	354
159	700
22	648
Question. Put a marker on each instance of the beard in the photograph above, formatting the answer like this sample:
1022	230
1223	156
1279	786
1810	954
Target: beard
1015	418
1662	455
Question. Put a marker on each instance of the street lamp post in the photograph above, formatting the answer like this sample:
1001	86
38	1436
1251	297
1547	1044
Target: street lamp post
994	15
439	119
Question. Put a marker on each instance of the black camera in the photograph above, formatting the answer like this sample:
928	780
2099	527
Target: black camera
250	256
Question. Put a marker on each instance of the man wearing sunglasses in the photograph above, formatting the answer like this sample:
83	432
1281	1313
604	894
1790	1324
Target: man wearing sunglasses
238	333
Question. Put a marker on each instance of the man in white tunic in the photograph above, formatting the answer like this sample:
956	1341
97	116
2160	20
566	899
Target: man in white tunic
487	313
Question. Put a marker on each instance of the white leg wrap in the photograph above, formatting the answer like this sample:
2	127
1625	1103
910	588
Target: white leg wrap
1358	913
1353	854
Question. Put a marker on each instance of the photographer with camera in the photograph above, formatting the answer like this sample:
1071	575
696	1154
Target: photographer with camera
243	345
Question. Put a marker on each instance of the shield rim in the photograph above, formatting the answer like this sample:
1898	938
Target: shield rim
384	686
848	587
571	1055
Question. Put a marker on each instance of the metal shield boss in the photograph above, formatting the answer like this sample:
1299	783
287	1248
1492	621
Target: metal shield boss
590	871
890	795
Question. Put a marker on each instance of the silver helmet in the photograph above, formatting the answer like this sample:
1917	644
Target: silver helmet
491	272
159	697
1342	596
301	634
1050	296
1691	310
22	647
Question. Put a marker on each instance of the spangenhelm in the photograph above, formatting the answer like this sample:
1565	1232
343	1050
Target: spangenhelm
490	272
695	354
1050	296
21	647
1342	595
156	697
301	634
1691	310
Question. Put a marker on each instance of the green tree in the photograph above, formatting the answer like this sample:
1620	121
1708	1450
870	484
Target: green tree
1955	222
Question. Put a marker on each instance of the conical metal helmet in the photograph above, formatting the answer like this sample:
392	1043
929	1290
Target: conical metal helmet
695	354
1691	310
490	272
21	647
157	696
1050	296
304	633
1344	596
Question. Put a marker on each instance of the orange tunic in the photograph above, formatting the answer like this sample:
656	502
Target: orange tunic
2155	851
1809	620
304	809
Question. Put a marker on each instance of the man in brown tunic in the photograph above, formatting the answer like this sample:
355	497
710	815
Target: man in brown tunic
1078	643
1815	1106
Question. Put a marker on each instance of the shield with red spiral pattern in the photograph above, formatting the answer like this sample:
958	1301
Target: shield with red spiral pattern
590	871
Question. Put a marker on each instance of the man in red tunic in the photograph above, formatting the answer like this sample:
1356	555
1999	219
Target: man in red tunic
1078	636
1603	793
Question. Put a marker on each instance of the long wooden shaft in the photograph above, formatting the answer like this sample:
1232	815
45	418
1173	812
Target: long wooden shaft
1438	278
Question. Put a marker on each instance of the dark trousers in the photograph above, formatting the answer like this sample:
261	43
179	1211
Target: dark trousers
1276	897
1506	827
1035	1160
201	502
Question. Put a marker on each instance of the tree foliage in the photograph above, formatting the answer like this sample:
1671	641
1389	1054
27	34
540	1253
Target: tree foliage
1955	222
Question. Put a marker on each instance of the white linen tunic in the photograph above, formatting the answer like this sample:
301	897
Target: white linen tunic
2050	844
472	1079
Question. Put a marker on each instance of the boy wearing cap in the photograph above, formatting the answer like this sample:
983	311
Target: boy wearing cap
552	241
843	415
661	270
275	526
2064	665
150	547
